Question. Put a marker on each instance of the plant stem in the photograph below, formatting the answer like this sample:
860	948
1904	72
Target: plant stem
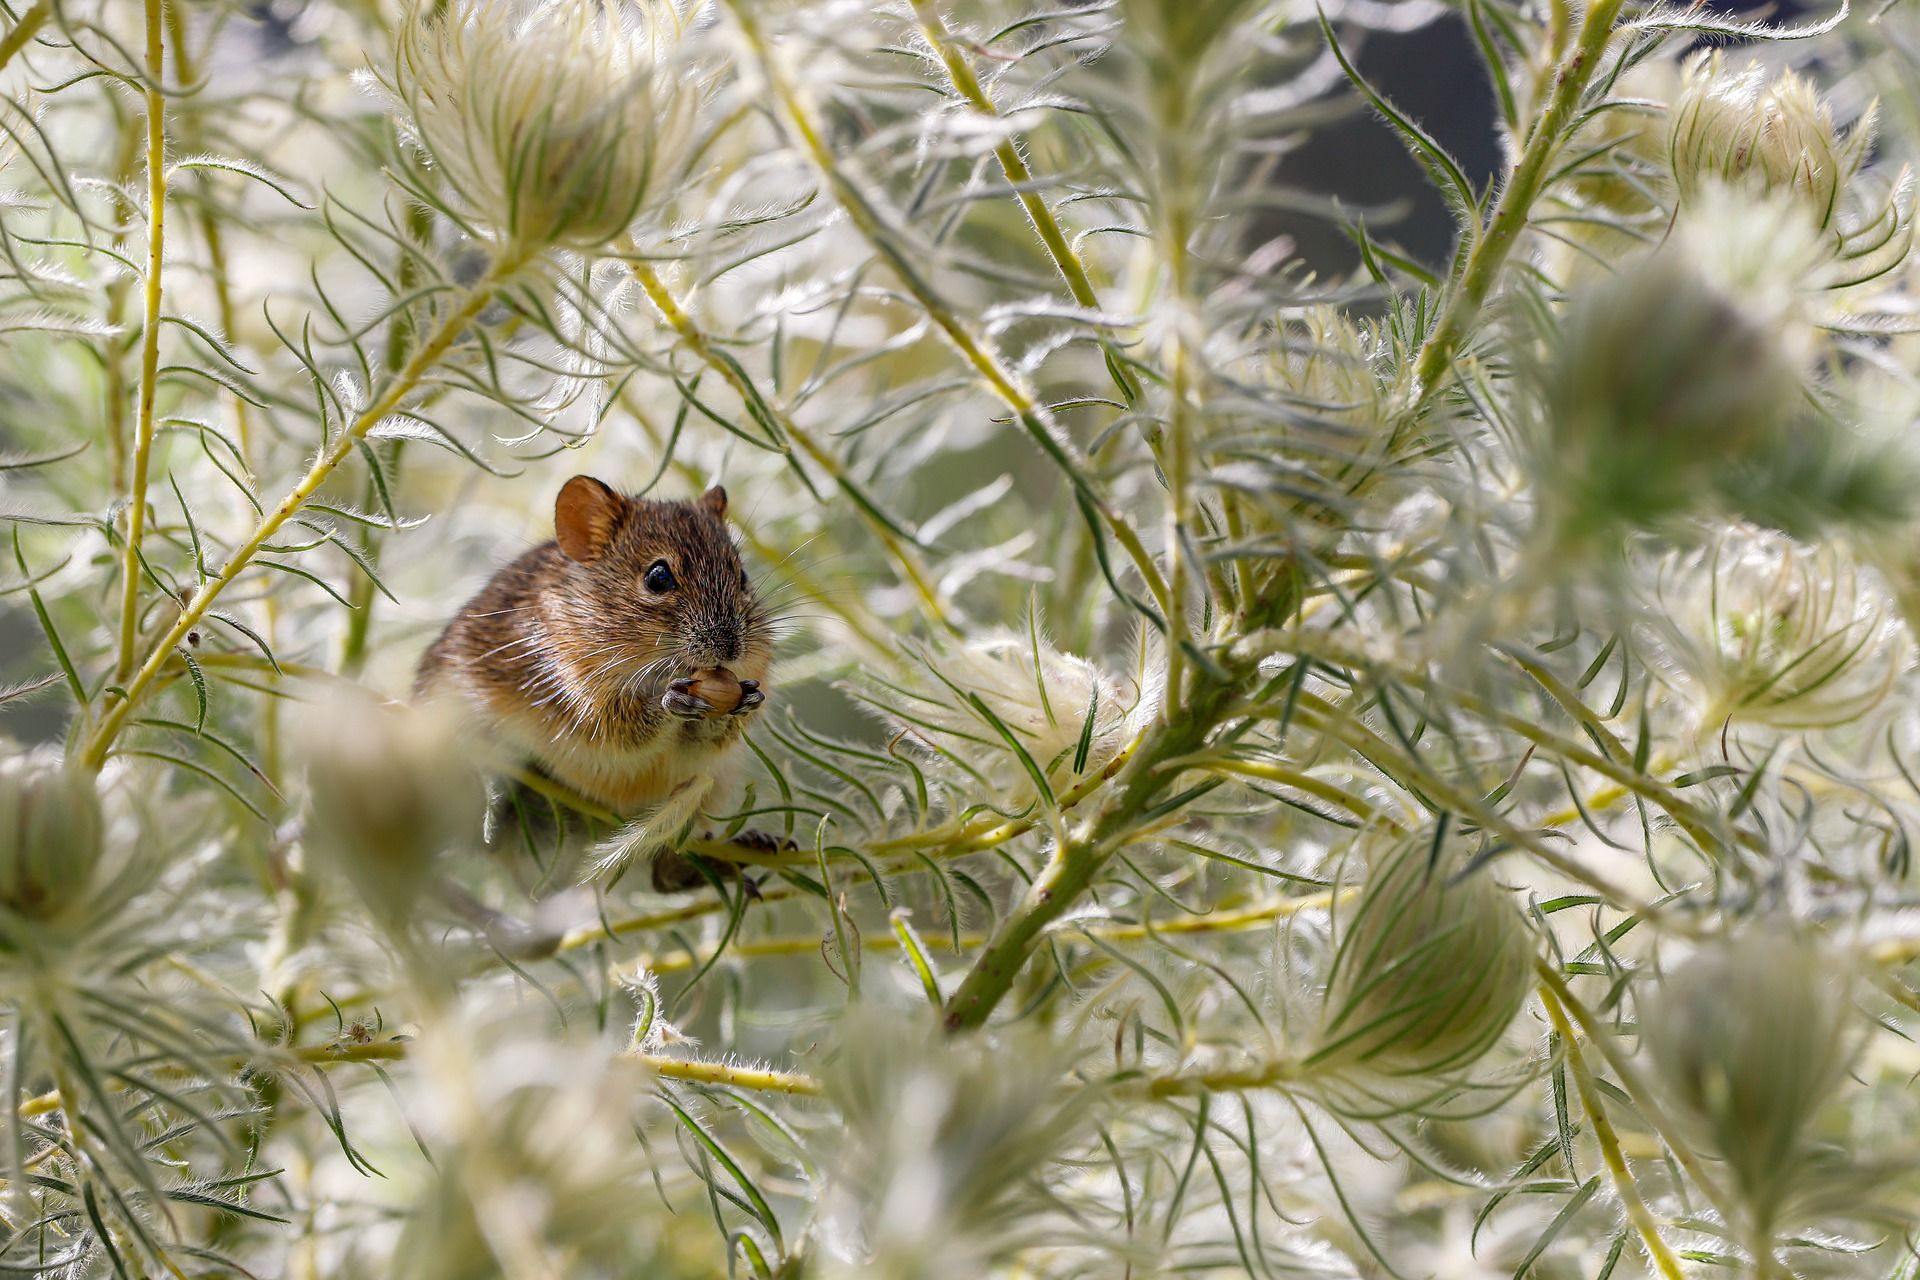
1510	214
1252	916
1002	381
212	230
24	30
1623	1184
1081	855
403	383
756	1078
149	338
1635	1088
353	645
904	557
1019	176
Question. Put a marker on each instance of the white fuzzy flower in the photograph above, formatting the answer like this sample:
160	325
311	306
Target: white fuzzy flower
555	124
1741	128
1764	630
1428	972
974	701
51	837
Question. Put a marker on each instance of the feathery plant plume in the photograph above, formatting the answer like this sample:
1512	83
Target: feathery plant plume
939	1148
1653	386
51	838
1762	630
1013	710
1456	819
1750	1038
1741	127
386	801
555	123
1429	968
1304	432
536	1167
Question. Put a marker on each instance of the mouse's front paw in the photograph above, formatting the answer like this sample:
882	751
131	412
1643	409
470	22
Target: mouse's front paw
750	697
680	700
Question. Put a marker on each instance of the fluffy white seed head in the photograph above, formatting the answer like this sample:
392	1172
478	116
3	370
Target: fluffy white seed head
1429	970
1749	1037
1048	701
1654	386
387	797
555	124
51	837
1742	128
1760	629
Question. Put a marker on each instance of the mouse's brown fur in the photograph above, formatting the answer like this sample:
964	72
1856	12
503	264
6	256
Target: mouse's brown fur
571	657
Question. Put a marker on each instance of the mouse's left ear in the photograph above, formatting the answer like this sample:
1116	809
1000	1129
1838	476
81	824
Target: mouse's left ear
715	500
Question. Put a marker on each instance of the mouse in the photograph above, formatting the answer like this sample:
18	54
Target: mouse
622	658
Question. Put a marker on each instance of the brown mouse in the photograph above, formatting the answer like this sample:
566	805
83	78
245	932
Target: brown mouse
622	658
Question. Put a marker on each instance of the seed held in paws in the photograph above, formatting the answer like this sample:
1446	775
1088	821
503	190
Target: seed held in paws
721	692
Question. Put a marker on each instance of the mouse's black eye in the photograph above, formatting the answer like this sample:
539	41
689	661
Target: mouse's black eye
746	583
659	579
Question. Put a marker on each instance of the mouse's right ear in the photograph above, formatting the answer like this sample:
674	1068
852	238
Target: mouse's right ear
585	517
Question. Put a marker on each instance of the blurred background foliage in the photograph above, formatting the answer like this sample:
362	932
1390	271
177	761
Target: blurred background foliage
1346	581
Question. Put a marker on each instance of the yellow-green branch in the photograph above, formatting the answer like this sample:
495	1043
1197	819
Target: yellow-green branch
1019	176
402	385
149	338
1004	383
1609	1141
759	1079
1492	247
24	30
904	557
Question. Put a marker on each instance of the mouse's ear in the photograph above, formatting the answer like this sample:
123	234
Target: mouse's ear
585	517
715	500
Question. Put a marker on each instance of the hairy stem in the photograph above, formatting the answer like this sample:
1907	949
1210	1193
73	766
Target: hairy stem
1644	1100
759	1079
213	231
149	338
1515	206
1596	1109
353	645
1138	798
960	75
24	30
906	560
1003	382
402	385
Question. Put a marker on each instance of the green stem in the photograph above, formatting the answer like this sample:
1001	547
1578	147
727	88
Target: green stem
961	76
1002	381
24	30
1515	206
353	645
905	559
398	389
1643	1098
149	338
1603	1133
1081	856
